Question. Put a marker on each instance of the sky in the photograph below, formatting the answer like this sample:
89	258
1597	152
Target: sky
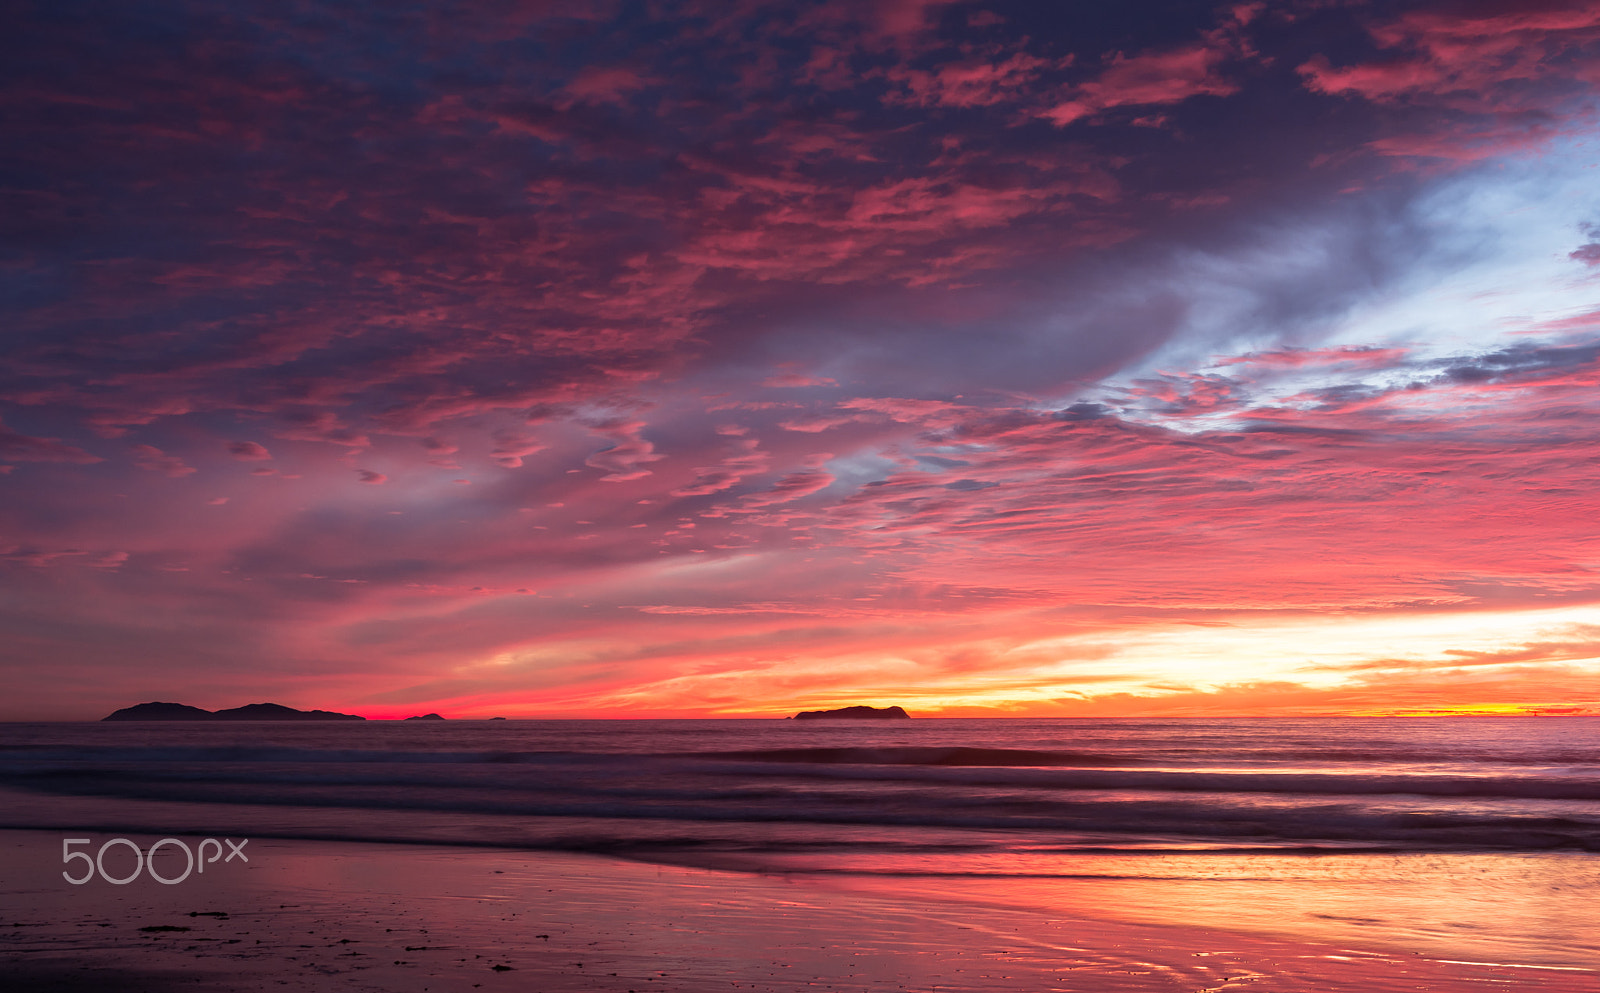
728	359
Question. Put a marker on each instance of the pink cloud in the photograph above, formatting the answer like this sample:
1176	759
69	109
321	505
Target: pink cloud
1365	357
512	447
896	19
624	460
790	487
974	83
814	425
747	460
605	84
1502	78
320	425
1150	78
248	451
16	447
153	459
933	413
791	380
1375	81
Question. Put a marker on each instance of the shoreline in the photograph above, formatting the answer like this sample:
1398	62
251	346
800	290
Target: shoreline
340	915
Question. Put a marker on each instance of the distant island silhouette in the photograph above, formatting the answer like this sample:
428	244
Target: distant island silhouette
851	713
157	711
425	717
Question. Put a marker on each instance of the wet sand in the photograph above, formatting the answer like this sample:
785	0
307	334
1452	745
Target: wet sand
322	916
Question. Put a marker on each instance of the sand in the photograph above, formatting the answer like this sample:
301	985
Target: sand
315	916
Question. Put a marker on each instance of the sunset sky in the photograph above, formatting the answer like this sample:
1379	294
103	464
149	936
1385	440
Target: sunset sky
731	359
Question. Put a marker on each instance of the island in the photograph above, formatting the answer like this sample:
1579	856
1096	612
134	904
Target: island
425	717
852	713
158	711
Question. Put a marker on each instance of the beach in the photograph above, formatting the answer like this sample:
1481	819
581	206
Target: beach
359	916
771	855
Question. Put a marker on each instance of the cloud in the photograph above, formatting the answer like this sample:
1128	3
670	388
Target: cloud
1449	55
1492	79
320	425
1347	356
998	78
623	460
815	425
511	447
791	380
1149	78
153	459
16	447
747	459
248	451
605	84
791	487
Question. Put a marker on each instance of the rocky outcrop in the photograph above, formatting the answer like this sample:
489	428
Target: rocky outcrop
157	711
851	713
249	712
425	717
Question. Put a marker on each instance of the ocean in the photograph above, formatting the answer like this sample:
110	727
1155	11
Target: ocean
1470	836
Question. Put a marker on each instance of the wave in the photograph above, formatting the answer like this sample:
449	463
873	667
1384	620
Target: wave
1065	828
1025	757
953	766
1181	781
925	755
646	796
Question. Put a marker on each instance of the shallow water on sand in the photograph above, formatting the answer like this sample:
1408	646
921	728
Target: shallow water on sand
324	916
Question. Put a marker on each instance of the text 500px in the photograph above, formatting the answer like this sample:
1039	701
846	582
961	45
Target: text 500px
145	861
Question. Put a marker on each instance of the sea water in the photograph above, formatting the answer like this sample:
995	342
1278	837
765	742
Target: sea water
1475	837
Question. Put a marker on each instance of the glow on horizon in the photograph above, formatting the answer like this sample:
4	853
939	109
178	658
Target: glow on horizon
1288	666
